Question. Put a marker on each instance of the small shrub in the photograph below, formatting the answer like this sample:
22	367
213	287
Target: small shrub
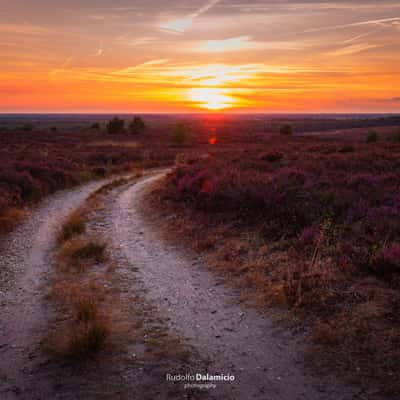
372	137
137	126
272	157
309	235
85	334
94	250
326	334
95	126
87	340
75	225
396	136
286	129
86	309
27	127
115	126
387	261
76	255
11	218
180	134
99	172
347	149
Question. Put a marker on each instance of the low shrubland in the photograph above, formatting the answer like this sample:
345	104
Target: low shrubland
305	225
34	164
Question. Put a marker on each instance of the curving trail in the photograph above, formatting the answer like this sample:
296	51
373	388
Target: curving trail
25	268
265	360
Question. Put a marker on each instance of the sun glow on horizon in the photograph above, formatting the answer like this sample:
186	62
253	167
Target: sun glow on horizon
203	55
212	98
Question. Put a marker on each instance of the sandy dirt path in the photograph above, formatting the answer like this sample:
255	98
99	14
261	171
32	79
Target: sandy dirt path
265	359
25	268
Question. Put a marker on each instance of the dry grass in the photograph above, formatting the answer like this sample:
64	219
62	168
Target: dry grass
73	226
10	218
87	326
114	184
77	253
97	317
90	307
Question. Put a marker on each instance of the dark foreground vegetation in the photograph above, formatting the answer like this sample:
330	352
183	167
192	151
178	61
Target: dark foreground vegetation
311	224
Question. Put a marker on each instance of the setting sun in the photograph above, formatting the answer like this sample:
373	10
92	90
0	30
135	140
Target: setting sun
212	98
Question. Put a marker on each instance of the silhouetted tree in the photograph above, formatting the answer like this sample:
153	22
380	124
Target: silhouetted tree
180	134
28	127
286	129
115	126
95	126
397	135
372	137
137	126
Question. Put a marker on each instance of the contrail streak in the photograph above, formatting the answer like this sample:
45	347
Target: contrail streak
362	23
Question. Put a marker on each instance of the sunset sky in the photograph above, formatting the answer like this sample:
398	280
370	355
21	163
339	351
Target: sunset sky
199	55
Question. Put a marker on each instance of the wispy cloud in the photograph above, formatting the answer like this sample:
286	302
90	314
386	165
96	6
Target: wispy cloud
140	67
99	52
24	29
226	45
180	25
358	37
137	41
242	43
381	22
353	49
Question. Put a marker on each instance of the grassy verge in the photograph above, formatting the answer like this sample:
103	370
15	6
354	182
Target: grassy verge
87	303
10	218
97	317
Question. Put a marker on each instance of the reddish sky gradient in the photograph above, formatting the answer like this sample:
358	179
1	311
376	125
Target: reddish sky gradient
188	56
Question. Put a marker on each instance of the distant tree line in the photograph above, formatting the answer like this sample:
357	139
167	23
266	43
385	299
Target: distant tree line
134	127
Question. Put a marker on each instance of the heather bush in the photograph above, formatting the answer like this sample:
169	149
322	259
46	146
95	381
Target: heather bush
293	198
272	157
397	136
372	137
28	127
115	126
137	126
387	261
347	149
180	134
286	129
95	126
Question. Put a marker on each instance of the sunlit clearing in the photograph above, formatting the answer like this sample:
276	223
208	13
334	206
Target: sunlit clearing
211	98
